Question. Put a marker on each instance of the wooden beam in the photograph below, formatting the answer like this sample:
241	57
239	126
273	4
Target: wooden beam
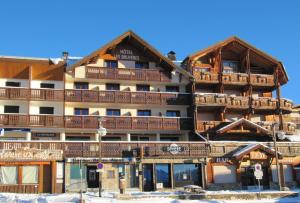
53	176
41	178
278	95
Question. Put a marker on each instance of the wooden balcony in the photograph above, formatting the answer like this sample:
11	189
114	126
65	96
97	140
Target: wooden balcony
152	75
203	126
235	78
128	123
206	77
264	103
288	127
286	105
235	102
115	149
126	97
262	80
31	94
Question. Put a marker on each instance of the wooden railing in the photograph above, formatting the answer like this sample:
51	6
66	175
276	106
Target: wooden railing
206	77
127	74
203	126
91	122
126	97
19	188
222	100
262	80
235	78
288	127
32	94
286	104
116	149
264	103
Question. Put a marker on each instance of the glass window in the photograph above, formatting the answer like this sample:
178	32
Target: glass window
144	112
172	89
106	138
144	138
81	85
78	138
173	113
75	171
186	174
112	86
8	175
46	110
111	64
12	84
81	111
231	66
145	88
163	174
169	138
11	109
113	112
140	65
47	85
30	174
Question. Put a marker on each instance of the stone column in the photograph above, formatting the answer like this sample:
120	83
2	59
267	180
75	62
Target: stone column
157	137
97	137
28	136
62	136
128	137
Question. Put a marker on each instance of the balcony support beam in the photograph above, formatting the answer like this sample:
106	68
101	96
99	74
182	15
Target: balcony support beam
278	95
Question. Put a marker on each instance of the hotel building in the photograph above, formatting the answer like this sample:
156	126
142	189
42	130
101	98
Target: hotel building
168	124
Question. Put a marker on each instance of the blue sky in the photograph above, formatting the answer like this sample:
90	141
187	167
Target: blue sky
46	28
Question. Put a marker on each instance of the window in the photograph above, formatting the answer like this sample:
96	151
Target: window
231	66
173	114
81	85
47	85
81	111
75	171
46	110
113	112
144	139
144	112
105	138
140	65
8	175
169	138
11	109
112	86
138	138
111	64
163	173
12	84
172	89
30	174
78	138
186	174
145	88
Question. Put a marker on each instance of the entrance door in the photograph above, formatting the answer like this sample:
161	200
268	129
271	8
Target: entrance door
148	177
249	180
92	177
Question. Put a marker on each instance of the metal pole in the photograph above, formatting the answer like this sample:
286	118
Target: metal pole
276	158
100	161
80	164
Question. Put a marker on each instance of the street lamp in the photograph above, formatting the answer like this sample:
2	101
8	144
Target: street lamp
101	132
281	136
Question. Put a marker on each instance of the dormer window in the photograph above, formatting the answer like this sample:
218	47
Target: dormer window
111	63
141	65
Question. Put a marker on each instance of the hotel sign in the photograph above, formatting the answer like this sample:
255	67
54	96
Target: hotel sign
126	54
30	154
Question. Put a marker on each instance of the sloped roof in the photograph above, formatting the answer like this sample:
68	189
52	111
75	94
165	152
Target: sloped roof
244	44
129	34
252	147
245	122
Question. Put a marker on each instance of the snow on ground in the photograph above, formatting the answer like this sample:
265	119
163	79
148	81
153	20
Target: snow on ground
151	197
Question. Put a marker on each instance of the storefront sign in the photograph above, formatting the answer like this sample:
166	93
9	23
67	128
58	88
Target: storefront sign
221	160
127	54
175	149
25	154
258	155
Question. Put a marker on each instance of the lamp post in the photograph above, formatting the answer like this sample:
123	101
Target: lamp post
101	132
281	136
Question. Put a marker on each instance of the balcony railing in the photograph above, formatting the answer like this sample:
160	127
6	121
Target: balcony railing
115	149
288	127
126	97
32	94
203	126
127	74
222	100
262	80
235	78
286	104
91	122
206	77
264	103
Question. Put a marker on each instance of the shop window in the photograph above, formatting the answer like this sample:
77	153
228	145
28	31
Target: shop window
186	174
172	89
143	112
112	86
12	84
163	174
113	112
46	110
75	171
145	88
81	111
81	85
224	174
111	174
8	175
30	174
47	85
141	65
11	109
173	114
111	63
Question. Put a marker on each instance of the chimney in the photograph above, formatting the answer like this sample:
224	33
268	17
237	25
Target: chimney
172	56
65	55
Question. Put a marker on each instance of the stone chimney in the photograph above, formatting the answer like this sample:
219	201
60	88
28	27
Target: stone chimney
172	56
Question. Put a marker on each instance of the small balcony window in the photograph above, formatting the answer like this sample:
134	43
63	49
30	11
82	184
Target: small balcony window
172	89
231	67
111	63
12	84
46	110
173	114
47	85
81	111
11	109
81	85
112	86
144	112
145	88
113	112
141	65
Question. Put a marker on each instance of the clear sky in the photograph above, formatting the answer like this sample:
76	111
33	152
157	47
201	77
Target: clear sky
46	28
